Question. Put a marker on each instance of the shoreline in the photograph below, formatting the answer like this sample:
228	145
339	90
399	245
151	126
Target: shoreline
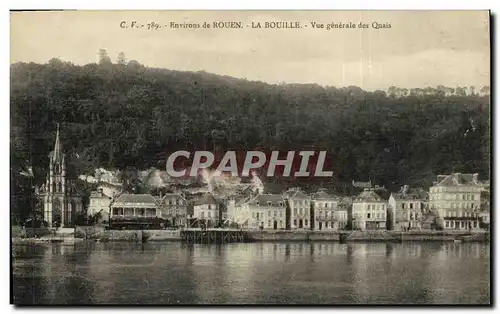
262	236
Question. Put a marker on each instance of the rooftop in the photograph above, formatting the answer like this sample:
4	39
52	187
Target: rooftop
457	179
322	194
295	193
368	195
407	193
136	198
264	199
206	199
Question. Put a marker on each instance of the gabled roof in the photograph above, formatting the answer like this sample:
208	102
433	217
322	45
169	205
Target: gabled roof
172	196
368	195
206	199
296	193
457	179
265	199
322	194
135	198
411	194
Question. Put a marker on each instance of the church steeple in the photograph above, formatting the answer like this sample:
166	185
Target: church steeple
57	146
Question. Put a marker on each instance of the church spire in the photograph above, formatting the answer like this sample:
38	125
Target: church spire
57	146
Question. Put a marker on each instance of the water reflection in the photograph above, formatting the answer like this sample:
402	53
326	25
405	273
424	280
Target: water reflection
257	273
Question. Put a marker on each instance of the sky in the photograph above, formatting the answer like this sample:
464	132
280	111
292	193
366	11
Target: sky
420	49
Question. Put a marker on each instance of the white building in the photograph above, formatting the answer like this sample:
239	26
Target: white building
406	209
457	199
135	206
328	215
300	209
267	211
238	212
369	211
206	210
99	203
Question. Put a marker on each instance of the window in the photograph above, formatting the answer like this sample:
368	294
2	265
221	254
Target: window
368	215
306	222
257	216
326	205
269	223
281	203
268	203
257	203
411	205
378	215
472	197
403	206
274	214
295	222
447	224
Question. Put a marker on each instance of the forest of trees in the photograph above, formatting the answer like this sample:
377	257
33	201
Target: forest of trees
125	115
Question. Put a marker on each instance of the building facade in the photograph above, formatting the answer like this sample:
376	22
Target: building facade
135	206
457	200
369	211
174	209
328	215
99	204
206	211
300	209
60	202
267	211
238	212
406	209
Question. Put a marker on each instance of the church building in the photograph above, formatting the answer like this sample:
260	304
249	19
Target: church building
59	201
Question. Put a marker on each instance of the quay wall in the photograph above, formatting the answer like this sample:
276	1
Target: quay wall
100	234
367	236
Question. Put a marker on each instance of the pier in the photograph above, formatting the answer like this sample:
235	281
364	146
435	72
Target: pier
214	235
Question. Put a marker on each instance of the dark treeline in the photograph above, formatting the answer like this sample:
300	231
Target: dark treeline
125	115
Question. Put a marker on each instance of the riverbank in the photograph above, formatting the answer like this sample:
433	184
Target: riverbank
370	236
101	235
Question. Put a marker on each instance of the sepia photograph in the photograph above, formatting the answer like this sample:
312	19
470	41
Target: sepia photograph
169	157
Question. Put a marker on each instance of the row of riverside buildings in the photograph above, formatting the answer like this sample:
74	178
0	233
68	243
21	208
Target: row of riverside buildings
454	202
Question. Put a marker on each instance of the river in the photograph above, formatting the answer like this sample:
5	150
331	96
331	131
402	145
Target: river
252	273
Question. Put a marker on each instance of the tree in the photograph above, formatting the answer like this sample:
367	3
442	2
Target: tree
121	59
485	90
103	57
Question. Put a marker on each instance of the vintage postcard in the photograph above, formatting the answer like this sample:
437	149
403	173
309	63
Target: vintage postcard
250	157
